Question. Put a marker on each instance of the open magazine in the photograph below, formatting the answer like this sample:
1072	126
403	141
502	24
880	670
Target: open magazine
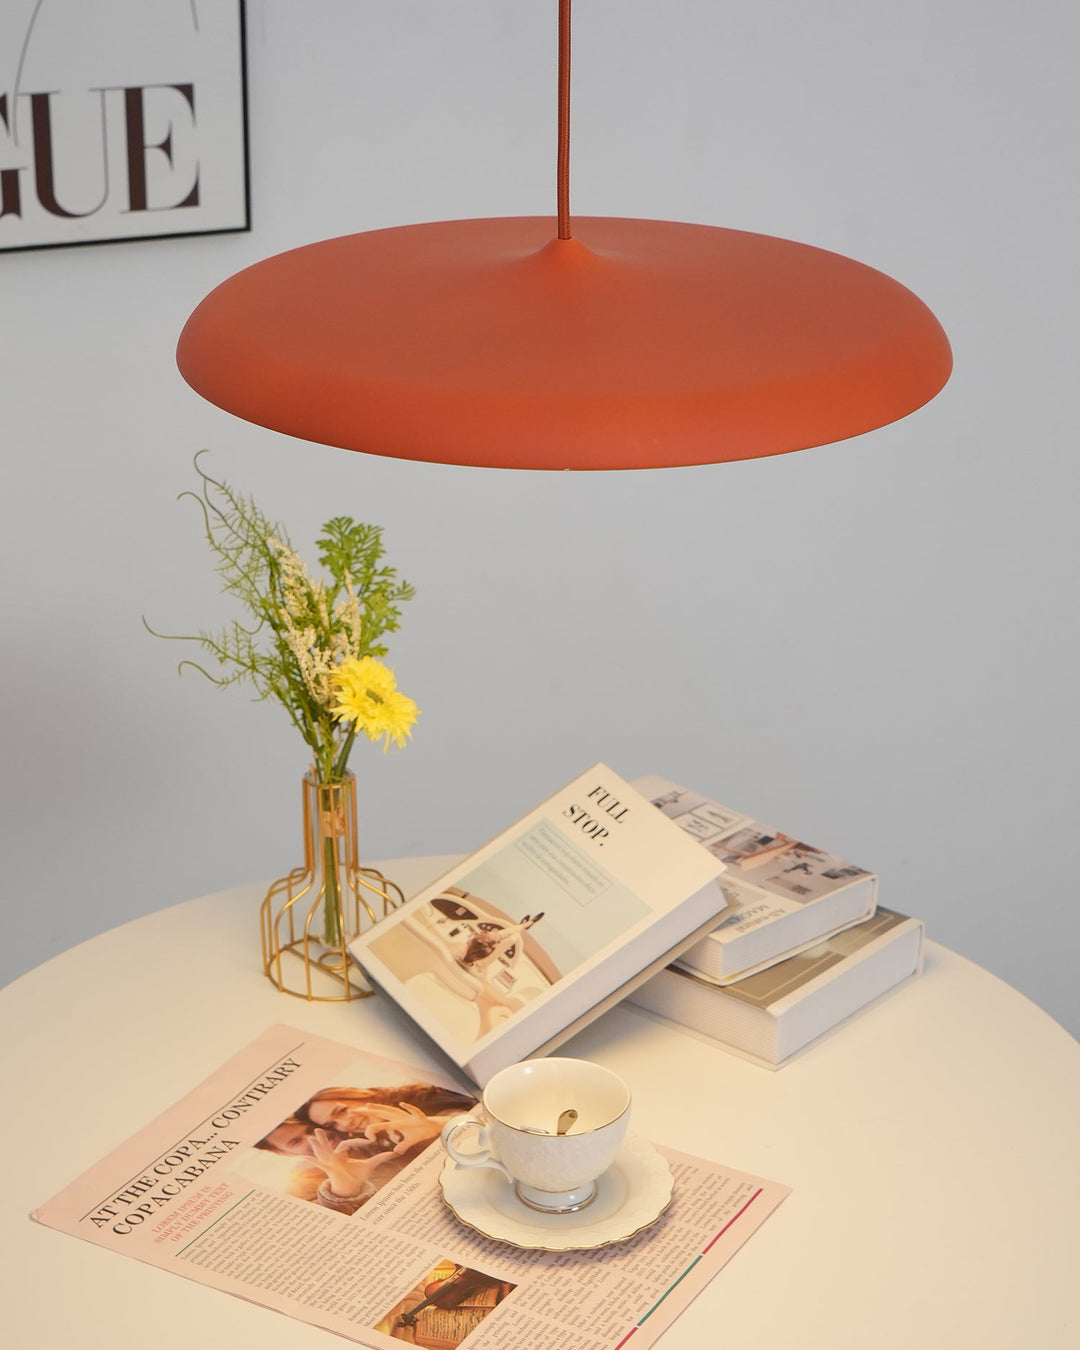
303	1176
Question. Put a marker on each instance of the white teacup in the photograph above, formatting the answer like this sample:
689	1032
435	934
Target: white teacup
517	1132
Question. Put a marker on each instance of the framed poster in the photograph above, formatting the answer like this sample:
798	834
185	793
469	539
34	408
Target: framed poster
121	119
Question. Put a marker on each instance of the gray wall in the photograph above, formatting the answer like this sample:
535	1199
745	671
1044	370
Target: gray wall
872	645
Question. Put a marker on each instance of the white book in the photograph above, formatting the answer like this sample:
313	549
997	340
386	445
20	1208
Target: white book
777	1012
546	926
786	895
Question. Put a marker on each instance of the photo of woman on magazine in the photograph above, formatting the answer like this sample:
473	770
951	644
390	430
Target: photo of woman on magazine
348	1142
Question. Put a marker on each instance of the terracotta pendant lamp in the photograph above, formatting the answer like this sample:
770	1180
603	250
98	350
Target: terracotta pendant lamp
592	343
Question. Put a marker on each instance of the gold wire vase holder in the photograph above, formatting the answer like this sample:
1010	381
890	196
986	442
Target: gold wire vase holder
311	915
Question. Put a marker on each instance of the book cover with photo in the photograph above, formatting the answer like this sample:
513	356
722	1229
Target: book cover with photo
546	926
777	1012
785	895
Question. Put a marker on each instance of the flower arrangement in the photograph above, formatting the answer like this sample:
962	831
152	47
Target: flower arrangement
313	644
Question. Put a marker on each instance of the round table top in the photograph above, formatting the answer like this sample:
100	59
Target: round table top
931	1143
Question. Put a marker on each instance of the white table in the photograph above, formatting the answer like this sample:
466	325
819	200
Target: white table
932	1144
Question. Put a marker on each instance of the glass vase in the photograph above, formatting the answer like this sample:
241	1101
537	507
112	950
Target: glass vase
311	915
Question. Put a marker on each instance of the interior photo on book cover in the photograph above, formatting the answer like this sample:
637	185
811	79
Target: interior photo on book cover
798	871
508	931
774	861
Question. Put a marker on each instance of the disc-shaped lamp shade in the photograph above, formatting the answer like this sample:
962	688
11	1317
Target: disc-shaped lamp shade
634	344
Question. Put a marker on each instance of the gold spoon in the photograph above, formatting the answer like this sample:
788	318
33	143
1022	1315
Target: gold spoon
566	1120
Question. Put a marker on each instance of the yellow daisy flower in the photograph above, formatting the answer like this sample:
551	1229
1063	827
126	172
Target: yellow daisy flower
365	692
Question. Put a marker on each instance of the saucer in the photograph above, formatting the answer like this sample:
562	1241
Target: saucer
631	1195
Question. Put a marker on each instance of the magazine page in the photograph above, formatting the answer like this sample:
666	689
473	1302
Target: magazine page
592	871
303	1176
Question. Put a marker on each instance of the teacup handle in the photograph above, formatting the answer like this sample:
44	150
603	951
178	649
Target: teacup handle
484	1158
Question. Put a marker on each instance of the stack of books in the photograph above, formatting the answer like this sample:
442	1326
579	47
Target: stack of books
693	911
804	946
